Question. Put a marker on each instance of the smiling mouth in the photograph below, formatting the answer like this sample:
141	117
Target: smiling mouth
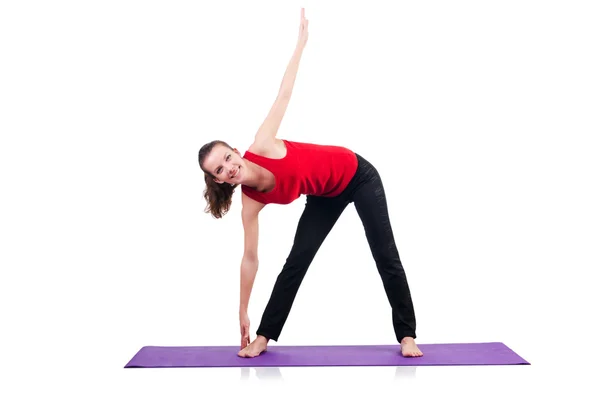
235	173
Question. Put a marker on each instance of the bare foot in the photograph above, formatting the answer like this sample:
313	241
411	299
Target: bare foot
255	348
409	347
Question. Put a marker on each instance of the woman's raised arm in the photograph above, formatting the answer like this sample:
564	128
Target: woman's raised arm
270	126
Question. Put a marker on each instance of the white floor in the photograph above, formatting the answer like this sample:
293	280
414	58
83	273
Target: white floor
82	379
96	370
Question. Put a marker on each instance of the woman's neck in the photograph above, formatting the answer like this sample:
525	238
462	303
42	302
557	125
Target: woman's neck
258	177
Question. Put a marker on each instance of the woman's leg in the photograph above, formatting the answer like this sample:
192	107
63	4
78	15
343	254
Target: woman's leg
317	220
371	205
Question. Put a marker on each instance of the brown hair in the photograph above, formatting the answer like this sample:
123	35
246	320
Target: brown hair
217	195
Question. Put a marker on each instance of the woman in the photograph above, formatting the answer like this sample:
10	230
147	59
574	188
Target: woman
278	171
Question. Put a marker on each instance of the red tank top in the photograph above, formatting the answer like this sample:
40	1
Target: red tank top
307	168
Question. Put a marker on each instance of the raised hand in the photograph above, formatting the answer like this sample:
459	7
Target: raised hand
303	30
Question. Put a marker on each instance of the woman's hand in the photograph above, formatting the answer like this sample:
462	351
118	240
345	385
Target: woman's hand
245	329
303	30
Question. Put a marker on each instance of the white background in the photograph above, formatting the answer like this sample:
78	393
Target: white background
482	118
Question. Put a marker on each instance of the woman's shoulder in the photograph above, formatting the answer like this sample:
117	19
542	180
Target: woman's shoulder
272	148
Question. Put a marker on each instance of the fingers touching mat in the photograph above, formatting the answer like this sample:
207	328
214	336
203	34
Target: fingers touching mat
493	353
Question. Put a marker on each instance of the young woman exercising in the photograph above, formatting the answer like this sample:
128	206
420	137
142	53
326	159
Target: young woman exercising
278	171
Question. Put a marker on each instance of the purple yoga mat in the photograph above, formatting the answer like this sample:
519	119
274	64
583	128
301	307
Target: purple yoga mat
493	353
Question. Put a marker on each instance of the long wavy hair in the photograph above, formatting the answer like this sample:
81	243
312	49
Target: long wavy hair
218	196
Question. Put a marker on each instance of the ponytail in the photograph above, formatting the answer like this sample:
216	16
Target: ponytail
218	196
